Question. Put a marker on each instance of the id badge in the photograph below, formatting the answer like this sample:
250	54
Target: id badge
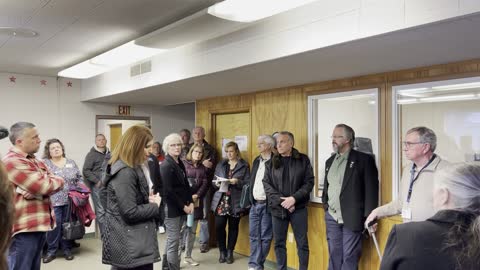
407	213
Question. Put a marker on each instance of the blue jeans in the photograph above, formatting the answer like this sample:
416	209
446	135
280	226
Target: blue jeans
260	235
25	251
54	237
344	245
299	221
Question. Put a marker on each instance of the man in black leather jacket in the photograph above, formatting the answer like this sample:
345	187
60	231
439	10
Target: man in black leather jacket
288	183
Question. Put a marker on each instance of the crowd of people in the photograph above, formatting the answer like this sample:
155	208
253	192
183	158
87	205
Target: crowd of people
144	187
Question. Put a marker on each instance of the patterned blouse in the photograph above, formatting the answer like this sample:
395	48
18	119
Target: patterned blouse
225	206
70	173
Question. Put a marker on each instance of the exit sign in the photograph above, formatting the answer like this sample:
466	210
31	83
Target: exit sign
124	110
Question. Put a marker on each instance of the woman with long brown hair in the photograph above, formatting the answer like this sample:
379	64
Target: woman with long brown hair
130	237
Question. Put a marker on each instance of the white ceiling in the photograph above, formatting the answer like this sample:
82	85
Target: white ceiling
442	42
71	31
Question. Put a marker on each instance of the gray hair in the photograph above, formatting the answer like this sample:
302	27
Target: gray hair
186	131
289	134
426	136
462	180
171	138
268	140
17	130
349	133
201	128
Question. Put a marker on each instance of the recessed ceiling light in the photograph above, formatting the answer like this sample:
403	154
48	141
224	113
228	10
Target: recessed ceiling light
18	32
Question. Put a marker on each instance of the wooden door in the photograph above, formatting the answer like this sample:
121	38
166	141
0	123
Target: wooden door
115	134
229	126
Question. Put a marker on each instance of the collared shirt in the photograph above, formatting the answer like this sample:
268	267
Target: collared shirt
32	175
258	190
421	201
146	172
336	172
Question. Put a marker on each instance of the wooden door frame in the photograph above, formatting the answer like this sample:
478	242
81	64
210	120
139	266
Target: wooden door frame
212	120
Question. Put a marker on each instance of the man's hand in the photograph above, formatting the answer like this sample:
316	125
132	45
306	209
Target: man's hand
288	202
207	163
233	181
291	209
370	218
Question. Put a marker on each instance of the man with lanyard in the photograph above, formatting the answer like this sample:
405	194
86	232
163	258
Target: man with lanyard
415	201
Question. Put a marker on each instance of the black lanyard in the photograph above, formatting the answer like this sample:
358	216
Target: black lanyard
413	178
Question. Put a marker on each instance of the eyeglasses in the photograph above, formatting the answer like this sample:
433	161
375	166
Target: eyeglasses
176	145
409	144
336	137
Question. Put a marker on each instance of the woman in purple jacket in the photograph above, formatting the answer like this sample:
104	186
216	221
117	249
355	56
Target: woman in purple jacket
197	178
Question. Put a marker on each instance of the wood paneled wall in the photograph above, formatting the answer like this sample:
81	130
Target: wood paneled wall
286	109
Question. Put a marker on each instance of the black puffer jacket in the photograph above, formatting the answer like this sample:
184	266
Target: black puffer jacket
242	173
299	185
130	235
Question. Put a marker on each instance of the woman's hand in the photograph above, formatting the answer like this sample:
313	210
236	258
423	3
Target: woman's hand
156	199
188	209
233	181
194	197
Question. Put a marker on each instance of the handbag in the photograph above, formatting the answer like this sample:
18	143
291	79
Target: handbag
73	228
245	197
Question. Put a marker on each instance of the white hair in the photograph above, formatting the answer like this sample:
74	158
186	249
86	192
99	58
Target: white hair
462	180
268	140
170	139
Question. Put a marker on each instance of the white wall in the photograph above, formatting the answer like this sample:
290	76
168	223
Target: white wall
56	110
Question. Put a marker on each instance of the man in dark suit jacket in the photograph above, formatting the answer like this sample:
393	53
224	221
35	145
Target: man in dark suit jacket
350	193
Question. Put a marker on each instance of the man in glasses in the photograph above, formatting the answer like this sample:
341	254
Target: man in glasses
415	201
350	193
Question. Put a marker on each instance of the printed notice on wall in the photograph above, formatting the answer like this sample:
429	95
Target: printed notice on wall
242	142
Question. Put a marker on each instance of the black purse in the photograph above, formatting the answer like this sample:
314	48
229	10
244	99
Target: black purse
73	228
245	197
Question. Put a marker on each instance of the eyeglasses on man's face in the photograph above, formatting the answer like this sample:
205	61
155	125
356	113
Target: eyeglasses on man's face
408	144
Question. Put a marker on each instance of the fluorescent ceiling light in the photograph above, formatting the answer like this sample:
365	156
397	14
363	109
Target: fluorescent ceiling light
449	98
125	54
362	96
457	86
252	10
406	100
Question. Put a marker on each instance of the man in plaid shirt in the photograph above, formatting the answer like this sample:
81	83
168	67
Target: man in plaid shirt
33	184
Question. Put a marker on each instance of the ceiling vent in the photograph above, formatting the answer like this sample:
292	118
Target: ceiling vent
141	68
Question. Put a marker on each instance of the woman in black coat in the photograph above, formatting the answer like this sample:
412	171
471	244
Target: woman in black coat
130	236
177	196
226	205
451	238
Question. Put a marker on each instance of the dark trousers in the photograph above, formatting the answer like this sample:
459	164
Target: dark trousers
260	226
299	221
96	194
344	245
220	225
141	267
25	251
54	237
